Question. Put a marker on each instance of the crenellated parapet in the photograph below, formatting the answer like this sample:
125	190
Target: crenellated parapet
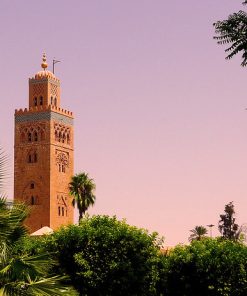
44	109
61	111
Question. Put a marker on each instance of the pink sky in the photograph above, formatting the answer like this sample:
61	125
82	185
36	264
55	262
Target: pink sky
160	115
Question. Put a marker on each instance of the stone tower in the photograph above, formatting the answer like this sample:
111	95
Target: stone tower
44	154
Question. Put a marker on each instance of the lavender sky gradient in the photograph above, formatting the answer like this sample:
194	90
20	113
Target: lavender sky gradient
160	115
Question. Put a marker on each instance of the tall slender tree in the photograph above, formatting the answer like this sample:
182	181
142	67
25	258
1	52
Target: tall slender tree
232	32
227	226
82	189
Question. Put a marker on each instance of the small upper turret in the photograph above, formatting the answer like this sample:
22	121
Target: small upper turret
44	93
44	88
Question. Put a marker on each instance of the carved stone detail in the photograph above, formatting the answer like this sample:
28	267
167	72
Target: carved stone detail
54	91
62	199
38	89
32	132
62	158
62	133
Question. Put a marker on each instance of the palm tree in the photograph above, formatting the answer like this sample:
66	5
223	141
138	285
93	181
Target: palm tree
82	189
198	233
233	32
20	272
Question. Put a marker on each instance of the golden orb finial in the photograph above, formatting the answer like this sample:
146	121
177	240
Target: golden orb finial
44	64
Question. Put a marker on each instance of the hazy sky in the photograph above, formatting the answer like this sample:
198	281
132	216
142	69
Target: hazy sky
160	119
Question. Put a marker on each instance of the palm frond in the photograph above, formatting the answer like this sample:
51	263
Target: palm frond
22	266
198	233
11	221
82	189
49	287
3	168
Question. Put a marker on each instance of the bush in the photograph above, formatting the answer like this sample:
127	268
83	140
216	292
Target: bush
104	256
208	267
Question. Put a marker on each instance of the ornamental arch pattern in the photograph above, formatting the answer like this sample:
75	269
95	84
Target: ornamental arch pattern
32	133
62	133
62	161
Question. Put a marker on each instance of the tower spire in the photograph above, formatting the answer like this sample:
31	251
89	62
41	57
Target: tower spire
44	64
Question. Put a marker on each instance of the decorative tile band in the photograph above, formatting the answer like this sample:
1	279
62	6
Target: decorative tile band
29	117
41	81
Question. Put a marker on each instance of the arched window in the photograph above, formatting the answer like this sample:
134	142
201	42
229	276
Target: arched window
35	136
51	100
68	139
42	135
59	211
35	157
59	137
63	168
62	211
32	200
59	167
29	137
55	102
29	158
35	101
22	137
32	186
41	100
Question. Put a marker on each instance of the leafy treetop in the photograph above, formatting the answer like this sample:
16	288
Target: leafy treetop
227	226
233	32
105	256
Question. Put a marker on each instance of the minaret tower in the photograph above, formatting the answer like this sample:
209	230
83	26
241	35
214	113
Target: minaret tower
44	154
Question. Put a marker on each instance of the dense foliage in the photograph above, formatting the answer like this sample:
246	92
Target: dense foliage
210	267
104	256
23	273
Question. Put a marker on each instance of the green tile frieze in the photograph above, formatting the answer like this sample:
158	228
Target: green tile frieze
47	116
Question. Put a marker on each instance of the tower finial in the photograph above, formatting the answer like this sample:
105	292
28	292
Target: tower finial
44	64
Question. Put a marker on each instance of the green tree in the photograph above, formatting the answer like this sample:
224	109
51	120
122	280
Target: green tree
104	256
210	267
198	233
227	226
22	273
82	189
233	32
